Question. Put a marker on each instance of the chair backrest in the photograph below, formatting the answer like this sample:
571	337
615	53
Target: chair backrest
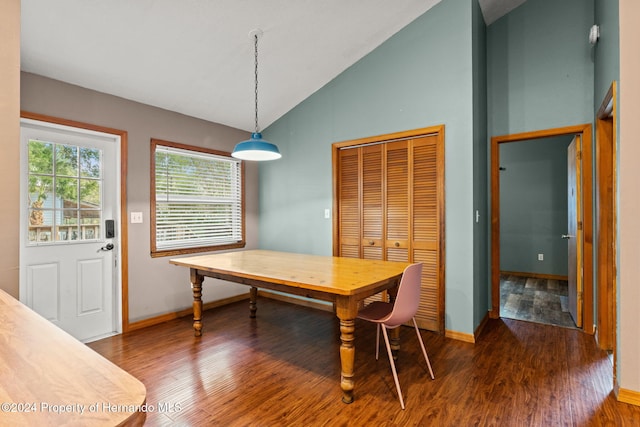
408	297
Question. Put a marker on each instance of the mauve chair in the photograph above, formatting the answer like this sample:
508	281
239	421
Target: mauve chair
391	315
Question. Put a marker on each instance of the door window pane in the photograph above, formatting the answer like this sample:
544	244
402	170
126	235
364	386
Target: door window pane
66	160
90	193
40	157
39	188
90	224
89	163
67	193
67	225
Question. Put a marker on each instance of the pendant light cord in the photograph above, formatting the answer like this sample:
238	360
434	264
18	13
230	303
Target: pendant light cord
256	79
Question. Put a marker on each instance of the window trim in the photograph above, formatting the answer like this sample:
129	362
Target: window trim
155	252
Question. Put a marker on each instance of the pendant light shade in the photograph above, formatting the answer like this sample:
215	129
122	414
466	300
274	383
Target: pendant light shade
256	148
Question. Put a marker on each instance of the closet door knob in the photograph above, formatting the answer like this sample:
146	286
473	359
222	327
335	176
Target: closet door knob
397	244
371	242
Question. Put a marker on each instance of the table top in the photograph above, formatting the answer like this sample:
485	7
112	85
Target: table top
47	377
327	274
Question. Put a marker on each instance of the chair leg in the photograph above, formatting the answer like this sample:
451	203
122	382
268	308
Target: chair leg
424	351
377	340
393	365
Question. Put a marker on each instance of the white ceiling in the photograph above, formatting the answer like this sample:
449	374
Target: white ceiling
492	10
195	57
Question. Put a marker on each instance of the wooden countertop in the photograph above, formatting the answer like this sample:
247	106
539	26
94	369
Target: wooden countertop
48	378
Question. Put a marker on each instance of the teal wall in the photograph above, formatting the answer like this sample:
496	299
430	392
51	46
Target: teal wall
420	77
541	67
481	226
607	50
533	206
537	73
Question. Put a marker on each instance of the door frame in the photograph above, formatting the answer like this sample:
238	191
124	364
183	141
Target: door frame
606	219
585	130
123	263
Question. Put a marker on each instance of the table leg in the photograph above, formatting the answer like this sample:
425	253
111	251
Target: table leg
196	285
347	309
347	356
253	298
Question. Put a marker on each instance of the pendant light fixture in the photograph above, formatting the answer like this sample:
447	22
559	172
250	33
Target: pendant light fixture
256	148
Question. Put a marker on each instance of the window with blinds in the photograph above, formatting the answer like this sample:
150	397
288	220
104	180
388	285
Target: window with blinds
197	200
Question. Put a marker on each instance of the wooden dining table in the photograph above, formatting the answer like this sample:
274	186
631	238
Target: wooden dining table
48	378
344	282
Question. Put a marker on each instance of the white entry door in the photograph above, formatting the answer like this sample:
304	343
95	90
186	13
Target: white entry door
69	236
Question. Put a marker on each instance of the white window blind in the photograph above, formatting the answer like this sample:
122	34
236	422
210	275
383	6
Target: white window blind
198	199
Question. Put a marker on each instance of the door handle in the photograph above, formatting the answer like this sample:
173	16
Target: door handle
567	236
107	248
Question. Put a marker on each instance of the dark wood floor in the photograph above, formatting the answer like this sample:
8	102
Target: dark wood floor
282	369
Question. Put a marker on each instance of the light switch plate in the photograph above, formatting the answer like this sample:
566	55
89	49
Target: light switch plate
136	217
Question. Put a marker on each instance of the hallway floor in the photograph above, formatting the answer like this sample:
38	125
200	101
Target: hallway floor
535	300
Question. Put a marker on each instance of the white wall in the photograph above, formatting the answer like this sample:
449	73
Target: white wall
629	202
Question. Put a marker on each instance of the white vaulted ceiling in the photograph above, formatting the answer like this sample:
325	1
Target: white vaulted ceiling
195	57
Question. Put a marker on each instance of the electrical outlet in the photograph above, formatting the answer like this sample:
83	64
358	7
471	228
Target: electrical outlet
540	257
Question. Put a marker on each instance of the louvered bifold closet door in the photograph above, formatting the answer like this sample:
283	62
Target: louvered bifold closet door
373	216
397	201
390	199
425	227
372	202
349	207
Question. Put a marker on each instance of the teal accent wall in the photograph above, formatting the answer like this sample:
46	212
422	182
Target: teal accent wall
607	50
541	67
532	69
422	76
481	185
533	206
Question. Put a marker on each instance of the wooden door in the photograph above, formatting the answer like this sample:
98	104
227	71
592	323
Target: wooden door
574	234
426	221
373	215
349	206
397	201
389	204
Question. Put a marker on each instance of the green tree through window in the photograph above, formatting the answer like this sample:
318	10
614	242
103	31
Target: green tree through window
64	192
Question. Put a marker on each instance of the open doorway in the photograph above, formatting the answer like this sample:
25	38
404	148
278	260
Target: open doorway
534	283
584	290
